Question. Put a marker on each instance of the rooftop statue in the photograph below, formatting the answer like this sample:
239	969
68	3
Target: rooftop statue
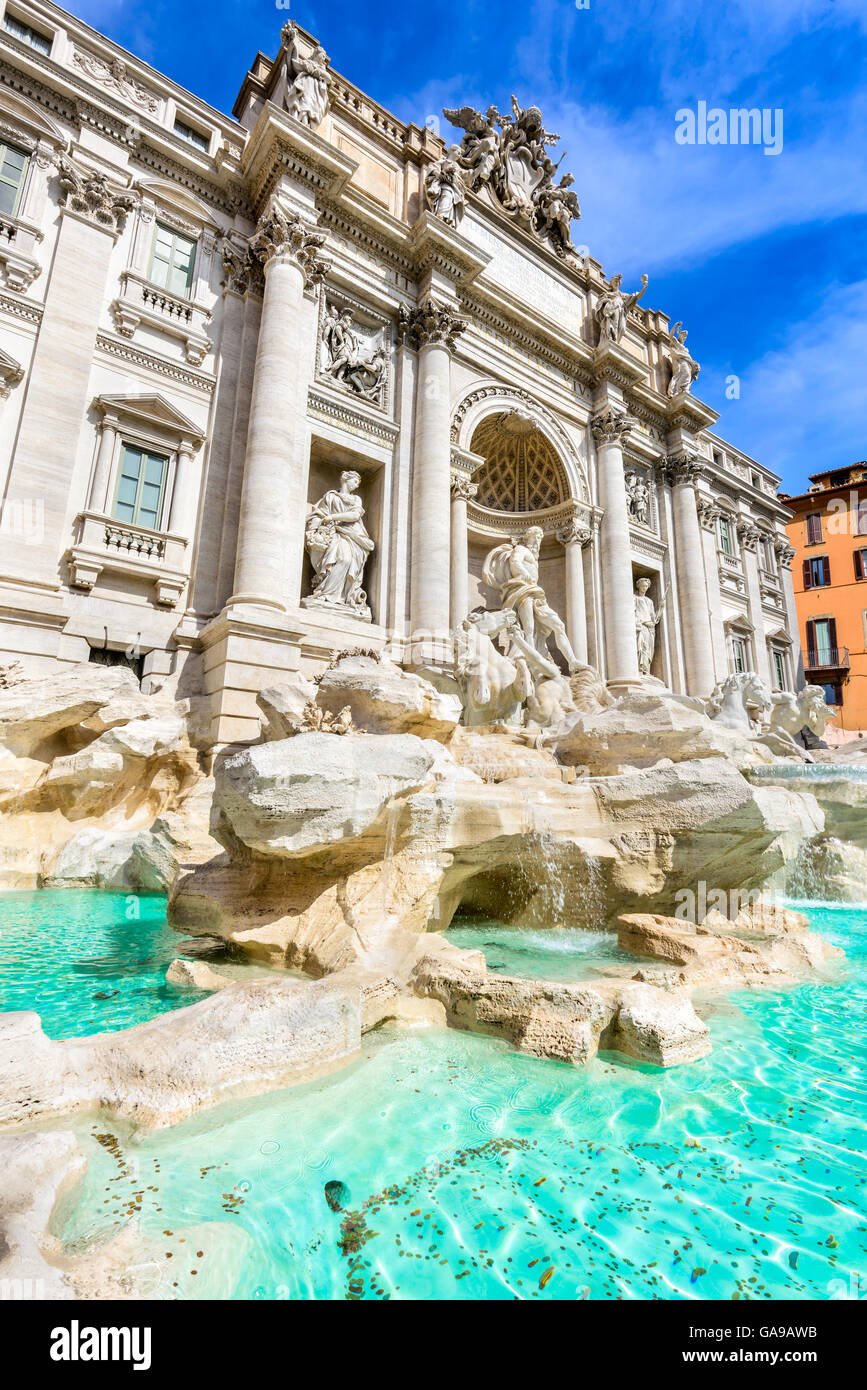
444	188
612	308
308	79
508	154
684	368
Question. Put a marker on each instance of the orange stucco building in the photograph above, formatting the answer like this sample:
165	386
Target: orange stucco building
829	534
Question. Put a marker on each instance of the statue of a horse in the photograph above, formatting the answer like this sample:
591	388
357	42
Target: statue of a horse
742	702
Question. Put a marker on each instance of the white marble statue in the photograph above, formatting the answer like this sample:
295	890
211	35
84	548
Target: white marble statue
308	79
494	686
647	616
444	188
742	701
556	208
637	497
684	368
807	710
612	308
512	570
339	548
508	155
348	357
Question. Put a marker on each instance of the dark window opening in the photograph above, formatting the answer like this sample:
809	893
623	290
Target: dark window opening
108	656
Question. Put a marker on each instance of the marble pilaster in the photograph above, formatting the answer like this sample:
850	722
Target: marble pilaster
683	470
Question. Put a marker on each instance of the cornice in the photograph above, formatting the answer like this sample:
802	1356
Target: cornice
322	405
438	247
154	362
281	145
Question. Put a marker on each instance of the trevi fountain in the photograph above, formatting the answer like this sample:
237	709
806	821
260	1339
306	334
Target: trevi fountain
417	879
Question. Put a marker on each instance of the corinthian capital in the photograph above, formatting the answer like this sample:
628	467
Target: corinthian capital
785	553
431	323
284	237
241	269
89	194
748	535
610	426
684	467
575	531
708	514
462	488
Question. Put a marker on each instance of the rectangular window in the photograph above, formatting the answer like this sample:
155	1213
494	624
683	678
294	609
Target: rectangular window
13	168
27	34
172	261
814	528
833	693
860	558
739	655
817	572
779	669
193	136
140	487
822	642
725	536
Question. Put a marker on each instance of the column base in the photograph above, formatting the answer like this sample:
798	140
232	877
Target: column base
245	649
623	685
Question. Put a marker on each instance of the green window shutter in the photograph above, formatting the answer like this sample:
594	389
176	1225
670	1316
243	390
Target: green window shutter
13	167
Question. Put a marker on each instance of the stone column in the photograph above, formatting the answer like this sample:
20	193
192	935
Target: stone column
748	539
683	473
574	537
99	498
270	549
463	491
58	387
618	607
433	329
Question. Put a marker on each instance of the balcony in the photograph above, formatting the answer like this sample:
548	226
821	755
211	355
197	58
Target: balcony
103	544
18	242
828	659
140	302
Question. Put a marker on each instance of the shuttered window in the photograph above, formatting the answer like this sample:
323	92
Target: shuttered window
817	572
860	558
814	528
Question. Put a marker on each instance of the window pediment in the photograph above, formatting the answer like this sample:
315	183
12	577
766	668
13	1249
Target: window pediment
152	414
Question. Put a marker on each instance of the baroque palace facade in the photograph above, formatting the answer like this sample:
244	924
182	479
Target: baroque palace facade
276	386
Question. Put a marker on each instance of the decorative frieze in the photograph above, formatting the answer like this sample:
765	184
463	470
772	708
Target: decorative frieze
89	194
351	355
114	75
431	324
285	237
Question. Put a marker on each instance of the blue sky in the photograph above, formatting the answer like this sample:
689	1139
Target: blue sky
764	258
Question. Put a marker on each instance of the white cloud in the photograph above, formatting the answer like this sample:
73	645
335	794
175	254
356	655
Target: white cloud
801	406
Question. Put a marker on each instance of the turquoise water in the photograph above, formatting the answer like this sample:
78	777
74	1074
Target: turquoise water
88	962
475	1172
553	954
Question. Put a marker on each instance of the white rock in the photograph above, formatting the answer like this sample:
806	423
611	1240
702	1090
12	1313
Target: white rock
196	974
137	859
657	1026
643	729
283	705
146	738
36	710
385	699
298	795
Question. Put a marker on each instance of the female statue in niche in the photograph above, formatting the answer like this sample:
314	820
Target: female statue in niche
647	617
339	547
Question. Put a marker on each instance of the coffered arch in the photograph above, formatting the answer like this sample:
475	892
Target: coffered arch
553	452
